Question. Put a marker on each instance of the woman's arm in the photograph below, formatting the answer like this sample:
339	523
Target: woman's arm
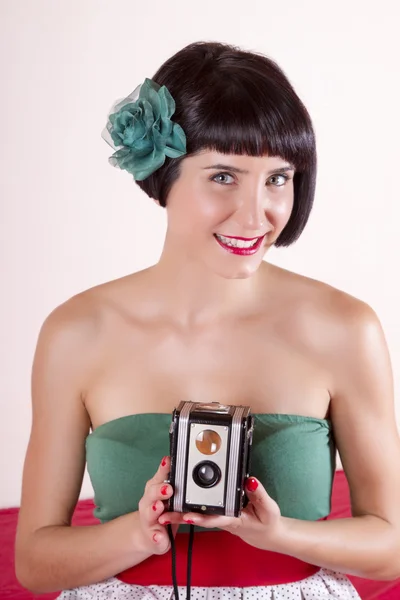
362	411
51	555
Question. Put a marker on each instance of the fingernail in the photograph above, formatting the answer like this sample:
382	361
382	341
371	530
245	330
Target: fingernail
154	507
189	521
155	538
164	490
166	523
252	484
164	461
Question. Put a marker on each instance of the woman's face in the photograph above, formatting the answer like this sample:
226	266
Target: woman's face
225	211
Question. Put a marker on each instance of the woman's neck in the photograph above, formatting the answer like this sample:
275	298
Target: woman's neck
191	294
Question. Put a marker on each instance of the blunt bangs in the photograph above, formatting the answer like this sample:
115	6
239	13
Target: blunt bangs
248	120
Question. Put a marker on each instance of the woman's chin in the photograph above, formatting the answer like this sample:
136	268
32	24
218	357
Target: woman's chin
242	272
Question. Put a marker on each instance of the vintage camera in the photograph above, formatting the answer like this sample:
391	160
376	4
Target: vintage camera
210	457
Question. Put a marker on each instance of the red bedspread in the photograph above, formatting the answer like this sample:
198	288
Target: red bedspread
11	590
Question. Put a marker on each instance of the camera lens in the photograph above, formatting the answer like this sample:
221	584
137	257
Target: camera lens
206	474
208	441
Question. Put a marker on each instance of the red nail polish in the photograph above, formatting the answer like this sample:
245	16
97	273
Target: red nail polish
189	521
164	461
167	523
154	507
164	490
251	484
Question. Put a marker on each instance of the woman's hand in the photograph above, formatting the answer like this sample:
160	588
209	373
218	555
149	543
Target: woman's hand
151	506
260	523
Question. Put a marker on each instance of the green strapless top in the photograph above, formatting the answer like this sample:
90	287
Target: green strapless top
293	456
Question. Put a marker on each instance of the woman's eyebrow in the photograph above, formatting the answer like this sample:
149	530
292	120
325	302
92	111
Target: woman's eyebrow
287	167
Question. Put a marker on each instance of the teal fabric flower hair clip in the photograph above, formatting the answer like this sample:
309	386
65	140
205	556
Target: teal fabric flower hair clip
140	129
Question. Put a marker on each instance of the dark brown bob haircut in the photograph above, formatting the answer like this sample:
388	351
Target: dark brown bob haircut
238	102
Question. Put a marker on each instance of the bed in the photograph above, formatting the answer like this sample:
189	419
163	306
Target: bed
11	590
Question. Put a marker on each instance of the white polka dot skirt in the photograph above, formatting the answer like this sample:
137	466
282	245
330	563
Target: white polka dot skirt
323	585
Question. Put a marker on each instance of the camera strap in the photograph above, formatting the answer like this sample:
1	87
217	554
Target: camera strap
189	562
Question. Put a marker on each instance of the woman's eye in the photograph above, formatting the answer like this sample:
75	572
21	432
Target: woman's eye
223	176
284	177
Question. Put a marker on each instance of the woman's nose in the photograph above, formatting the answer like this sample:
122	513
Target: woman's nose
251	215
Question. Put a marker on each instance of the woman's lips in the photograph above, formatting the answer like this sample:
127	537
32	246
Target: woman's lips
241	251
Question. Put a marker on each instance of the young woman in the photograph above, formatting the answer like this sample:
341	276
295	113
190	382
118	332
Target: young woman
219	137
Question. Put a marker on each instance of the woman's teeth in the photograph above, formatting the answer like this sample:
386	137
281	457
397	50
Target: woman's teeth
237	243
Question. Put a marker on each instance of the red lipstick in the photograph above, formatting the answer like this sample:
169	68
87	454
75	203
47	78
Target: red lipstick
236	249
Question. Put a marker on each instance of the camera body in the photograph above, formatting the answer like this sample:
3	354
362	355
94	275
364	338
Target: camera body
210	457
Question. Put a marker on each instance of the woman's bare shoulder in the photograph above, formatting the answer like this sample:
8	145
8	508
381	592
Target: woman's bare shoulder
320	296
329	320
82	314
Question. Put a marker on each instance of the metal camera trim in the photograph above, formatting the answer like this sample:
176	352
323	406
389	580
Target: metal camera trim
213	407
